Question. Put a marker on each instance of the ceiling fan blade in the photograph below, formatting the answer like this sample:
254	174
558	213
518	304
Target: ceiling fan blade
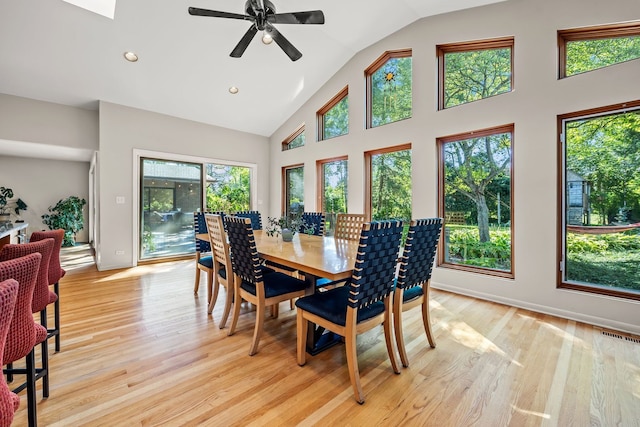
244	42
217	14
310	17
293	53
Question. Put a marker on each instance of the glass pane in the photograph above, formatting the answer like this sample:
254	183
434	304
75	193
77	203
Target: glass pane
473	75
391	185
391	92
171	192
336	120
228	188
296	142
587	55
602	201
477	202
334	192
294	190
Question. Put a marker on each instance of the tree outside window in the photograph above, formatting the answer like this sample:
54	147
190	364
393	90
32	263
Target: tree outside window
228	188
333	118
293	177
389	189
332	176
389	88
295	140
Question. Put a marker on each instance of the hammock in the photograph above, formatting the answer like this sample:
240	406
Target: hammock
601	229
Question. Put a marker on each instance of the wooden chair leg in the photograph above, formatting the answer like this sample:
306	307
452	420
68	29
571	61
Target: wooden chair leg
352	364
196	286
56	316
213	293
302	327
275	310
227	307
257	331
426	318
388	338
236	312
31	390
397	325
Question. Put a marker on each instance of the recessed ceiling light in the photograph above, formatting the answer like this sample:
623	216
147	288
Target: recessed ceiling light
233	90
130	56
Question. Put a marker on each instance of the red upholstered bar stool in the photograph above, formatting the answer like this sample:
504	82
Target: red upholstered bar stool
24	333
56	272
42	296
9	401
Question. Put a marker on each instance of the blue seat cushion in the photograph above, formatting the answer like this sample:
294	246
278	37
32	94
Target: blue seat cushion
412	293
332	305
275	284
206	261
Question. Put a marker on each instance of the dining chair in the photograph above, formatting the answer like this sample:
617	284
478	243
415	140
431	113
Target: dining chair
41	298
348	226
221	265
56	272
251	284
24	333
414	277
363	303
254	216
204	260
9	401
313	223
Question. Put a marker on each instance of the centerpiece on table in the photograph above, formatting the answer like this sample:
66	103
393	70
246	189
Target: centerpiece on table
287	226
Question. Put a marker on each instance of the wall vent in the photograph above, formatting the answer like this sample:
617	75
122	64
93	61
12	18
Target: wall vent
617	335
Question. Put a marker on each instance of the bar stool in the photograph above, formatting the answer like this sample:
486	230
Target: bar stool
9	401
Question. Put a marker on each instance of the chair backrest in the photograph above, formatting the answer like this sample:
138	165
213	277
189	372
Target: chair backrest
416	263
218	240
8	296
374	271
313	220
254	216
348	226
43	247
245	260
22	332
200	227
56	272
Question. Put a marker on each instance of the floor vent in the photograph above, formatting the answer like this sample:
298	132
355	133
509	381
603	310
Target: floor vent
621	337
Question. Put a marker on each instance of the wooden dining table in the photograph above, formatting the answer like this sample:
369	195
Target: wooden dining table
315	257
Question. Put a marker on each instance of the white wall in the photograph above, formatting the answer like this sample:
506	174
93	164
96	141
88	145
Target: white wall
123	129
533	106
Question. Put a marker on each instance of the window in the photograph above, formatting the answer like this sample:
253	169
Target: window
293	187
333	118
472	71
295	140
332	189
600	187
587	49
475	195
388	188
228	188
171	192
389	88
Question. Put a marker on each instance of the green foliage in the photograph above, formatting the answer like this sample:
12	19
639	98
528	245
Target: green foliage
336	120
66	214
5	195
464	247
296	142
474	75
335	186
231	192
20	206
292	222
391	92
295	190
587	55
391	185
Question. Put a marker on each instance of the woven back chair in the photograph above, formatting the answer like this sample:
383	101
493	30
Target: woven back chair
348	226
221	264
313	221
254	216
9	401
56	272
251	282
363	303
414	277
204	260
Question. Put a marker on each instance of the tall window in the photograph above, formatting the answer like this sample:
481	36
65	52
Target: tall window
332	189
388	174
472	71
228	188
586	49
293	187
170	193
600	182
333	118
295	140
389	88
475	199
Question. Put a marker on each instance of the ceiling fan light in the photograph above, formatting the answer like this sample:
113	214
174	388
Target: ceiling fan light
266	38
233	90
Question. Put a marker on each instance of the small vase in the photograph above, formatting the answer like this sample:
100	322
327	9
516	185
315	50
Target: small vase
287	235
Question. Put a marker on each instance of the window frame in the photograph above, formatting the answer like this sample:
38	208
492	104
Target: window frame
296	133
487	44
440	143
284	208
561	223
371	69
598	32
320	178
368	155
325	109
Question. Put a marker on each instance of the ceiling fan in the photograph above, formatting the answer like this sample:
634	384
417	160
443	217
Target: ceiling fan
263	15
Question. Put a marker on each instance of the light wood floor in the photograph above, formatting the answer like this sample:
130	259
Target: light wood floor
139	349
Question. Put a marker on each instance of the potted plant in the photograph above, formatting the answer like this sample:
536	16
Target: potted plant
66	214
5	195
287	225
